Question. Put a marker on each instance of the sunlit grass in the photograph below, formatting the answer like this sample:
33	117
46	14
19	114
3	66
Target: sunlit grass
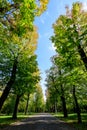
72	119
6	120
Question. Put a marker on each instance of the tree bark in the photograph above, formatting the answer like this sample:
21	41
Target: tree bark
82	55
63	99
77	106
55	106
9	84
63	102
26	109
16	107
80	49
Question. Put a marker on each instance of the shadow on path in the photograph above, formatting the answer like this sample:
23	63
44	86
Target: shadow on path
40	122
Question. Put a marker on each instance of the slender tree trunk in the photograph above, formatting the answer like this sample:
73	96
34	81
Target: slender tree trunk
63	102
63	99
82	55
77	106
9	84
16	107
26	109
55	106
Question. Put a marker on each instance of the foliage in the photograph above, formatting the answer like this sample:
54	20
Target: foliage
70	37
19	15
71	57
6	120
9	105
36	103
18	41
72	118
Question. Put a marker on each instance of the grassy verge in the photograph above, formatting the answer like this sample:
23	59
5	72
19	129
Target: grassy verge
72	120
7	120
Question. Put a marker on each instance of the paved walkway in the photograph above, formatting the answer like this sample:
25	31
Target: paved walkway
40	122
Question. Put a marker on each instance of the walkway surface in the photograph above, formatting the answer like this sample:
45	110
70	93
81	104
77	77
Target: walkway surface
40	122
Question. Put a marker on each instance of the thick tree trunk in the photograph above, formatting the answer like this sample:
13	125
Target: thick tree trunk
77	106
82	55
16	107
63	102
9	84
80	49
26	109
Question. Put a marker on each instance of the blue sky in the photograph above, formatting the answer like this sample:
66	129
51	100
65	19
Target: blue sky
44	23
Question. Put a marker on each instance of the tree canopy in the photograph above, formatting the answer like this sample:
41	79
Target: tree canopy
70	61
18	43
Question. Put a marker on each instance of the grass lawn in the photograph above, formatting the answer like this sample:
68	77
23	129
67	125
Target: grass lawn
7	120
72	120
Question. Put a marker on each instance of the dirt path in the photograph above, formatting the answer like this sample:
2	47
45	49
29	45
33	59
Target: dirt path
40	122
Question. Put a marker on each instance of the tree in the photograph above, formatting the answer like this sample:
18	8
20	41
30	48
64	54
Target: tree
13	55
27	78
39	99
8	105
70	33
19	15
52	88
56	86
36	103
16	23
70	42
77	106
34	80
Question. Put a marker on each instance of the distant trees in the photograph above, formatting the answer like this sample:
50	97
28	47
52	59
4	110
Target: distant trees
56	88
32	101
37	103
71	58
26	80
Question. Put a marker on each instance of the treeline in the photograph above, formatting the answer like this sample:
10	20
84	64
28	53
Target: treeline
29	102
19	73
66	80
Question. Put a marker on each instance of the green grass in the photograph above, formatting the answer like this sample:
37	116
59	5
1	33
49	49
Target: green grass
7	120
72	120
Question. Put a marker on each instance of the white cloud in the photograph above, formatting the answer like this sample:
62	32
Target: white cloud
42	20
52	47
47	13
44	17
85	6
48	34
40	36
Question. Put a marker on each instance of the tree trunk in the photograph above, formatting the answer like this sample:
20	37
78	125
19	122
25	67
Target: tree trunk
63	99
55	106
77	106
26	109
9	84
82	55
63	102
16	107
80	49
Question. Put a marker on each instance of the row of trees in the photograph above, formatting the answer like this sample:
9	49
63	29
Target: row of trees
19	73
29	102
67	78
